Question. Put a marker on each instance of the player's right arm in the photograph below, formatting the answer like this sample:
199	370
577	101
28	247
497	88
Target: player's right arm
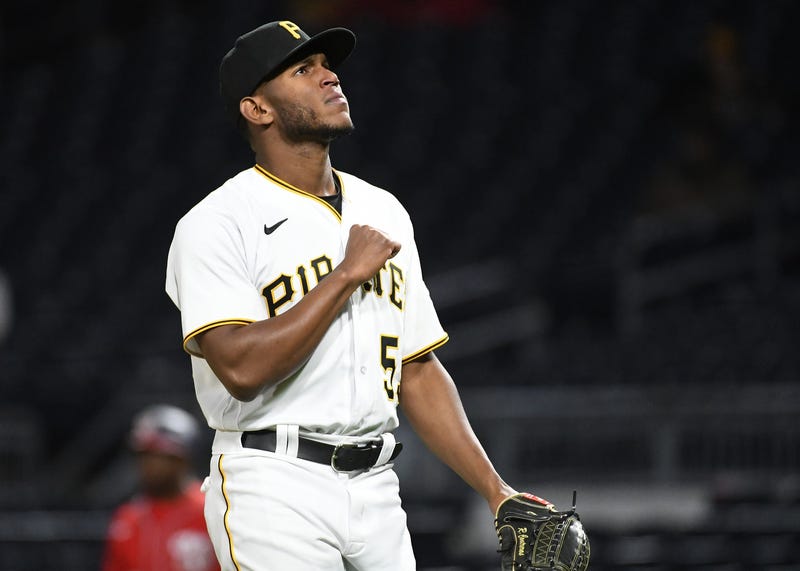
249	358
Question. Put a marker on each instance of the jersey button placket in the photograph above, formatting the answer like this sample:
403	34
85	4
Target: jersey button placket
359	369
352	309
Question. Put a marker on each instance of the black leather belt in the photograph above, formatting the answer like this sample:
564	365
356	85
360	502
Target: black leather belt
343	457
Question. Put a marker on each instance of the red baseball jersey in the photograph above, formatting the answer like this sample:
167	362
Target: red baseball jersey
149	534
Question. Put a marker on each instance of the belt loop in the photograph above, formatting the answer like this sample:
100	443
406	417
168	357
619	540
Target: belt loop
386	450
287	439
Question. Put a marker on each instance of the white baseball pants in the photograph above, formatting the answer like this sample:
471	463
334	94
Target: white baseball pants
273	512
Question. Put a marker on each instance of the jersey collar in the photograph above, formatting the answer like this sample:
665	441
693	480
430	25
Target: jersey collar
280	182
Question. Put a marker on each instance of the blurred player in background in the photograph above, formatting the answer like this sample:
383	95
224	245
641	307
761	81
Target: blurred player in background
162	528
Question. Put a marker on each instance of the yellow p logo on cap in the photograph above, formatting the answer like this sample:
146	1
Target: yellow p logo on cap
290	27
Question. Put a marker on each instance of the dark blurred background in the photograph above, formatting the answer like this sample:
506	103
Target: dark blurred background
606	200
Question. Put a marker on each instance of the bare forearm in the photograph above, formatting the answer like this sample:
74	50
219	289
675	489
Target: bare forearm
250	358
431	404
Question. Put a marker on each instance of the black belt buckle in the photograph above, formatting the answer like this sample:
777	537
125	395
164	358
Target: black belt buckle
352	457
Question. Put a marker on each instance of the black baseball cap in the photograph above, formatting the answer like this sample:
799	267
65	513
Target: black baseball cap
264	52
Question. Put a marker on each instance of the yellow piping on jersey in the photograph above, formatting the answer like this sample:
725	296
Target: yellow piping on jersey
227	513
212	325
424	350
299	191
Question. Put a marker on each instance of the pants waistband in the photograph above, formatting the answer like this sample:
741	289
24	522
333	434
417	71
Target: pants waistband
285	439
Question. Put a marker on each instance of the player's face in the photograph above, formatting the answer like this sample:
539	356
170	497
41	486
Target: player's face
161	475
308	102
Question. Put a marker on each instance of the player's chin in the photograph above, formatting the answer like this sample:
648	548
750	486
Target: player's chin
342	122
341	113
332	131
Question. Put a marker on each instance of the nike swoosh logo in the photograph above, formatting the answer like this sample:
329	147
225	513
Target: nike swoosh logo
270	229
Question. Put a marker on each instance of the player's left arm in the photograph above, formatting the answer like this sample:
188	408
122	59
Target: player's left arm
430	401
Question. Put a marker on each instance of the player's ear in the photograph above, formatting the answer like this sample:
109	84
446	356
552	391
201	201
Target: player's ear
256	110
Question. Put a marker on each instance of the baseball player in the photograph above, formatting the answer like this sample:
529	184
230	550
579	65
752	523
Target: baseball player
163	527
307	320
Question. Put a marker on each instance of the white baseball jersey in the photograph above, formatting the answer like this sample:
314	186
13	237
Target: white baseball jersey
251	250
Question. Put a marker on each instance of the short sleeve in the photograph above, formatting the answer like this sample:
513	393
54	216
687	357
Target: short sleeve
422	330
208	277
